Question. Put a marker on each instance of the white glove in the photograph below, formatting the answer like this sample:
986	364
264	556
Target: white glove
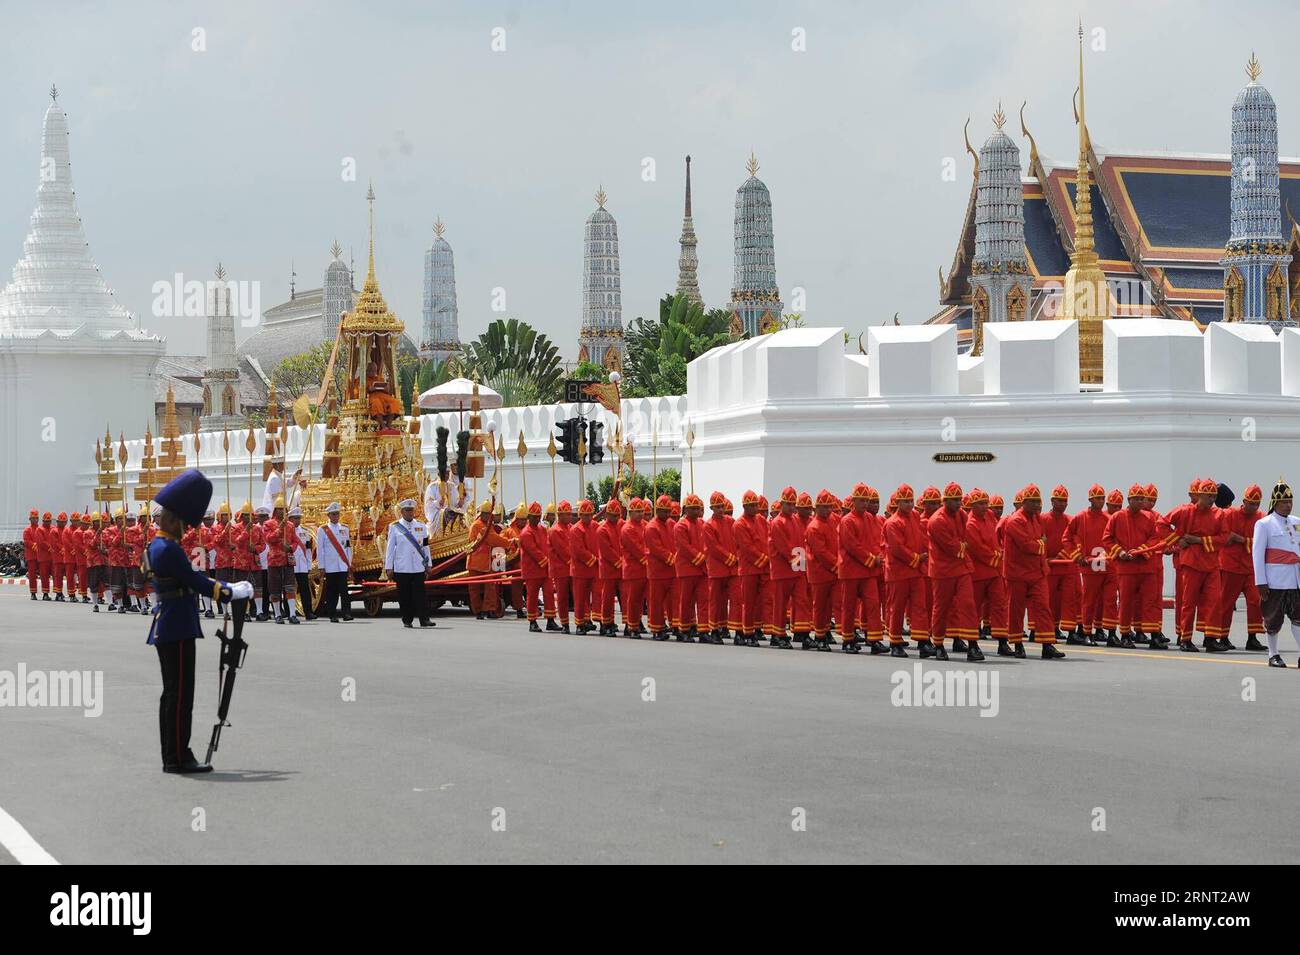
241	590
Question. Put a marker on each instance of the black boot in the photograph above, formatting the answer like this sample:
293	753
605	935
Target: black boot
1032	637
1253	644
849	645
1004	649
1051	653
564	628
34	597
1227	644
958	645
1127	642
898	650
940	653
1276	661
774	641
552	626
1188	647
878	648
1214	645
1112	639
825	644
927	650
46	597
1076	637
973	652
533	627
1097	638
1140	637
1019	651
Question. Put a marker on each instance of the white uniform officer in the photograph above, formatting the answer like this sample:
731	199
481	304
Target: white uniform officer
1275	552
406	560
302	561
334	556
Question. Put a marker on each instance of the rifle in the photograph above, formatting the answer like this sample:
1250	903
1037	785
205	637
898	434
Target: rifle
233	651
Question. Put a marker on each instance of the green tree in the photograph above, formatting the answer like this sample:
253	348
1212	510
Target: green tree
590	371
518	362
434	372
408	369
668	481
659	351
302	374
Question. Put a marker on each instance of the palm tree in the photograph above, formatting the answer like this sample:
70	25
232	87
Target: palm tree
517	361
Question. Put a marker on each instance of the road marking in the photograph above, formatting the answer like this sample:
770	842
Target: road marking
20	844
1172	654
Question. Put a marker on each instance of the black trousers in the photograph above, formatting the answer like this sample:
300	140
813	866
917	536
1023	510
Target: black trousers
336	592
410	596
304	591
176	706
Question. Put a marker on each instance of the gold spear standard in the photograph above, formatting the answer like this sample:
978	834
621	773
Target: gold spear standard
552	450
521	449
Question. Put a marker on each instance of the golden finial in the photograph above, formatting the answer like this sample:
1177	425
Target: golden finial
999	118
752	164
1024	131
1253	69
439	228
370	198
600	196
336	250
974	154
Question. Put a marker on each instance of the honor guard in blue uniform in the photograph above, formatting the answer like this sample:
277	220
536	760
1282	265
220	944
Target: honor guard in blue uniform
176	619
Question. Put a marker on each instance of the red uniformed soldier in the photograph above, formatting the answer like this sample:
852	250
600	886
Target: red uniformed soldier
985	549
822	541
1025	571
535	568
1133	543
1084	542
720	565
609	574
690	561
952	611
559	540
1062	571
751	552
905	571
1196	533
30	535
660	569
862	558
584	564
786	568
1236	566
635	562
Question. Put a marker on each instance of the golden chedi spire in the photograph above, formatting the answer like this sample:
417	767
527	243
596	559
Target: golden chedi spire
371	311
1086	296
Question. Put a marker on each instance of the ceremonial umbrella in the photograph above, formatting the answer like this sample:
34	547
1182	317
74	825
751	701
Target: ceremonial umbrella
457	395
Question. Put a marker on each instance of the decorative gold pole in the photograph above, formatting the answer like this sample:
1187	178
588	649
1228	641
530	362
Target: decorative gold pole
654	460
121	459
690	457
225	444
251	444
500	455
552	450
582	463
522	450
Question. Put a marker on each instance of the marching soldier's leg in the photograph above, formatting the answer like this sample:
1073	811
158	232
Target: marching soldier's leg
1041	619
1254	619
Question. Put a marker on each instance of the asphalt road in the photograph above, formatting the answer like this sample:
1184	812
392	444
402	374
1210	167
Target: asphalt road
478	742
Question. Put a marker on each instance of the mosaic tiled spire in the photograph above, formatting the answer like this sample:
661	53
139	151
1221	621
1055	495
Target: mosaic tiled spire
601	338
56	284
1255	261
755	298
440	336
336	293
688	262
1000	279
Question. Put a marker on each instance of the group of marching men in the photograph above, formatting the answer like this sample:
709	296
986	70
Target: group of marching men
88	556
949	566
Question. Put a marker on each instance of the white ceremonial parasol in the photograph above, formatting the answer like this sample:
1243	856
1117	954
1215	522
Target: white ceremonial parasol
456	395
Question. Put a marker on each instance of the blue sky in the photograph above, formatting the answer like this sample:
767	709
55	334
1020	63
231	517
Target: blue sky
181	158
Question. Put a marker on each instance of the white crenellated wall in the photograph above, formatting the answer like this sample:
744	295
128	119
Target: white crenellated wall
1174	404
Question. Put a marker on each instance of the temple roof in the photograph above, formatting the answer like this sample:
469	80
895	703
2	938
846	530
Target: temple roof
1159	217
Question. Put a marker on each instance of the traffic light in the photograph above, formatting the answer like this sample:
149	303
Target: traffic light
569	433
595	453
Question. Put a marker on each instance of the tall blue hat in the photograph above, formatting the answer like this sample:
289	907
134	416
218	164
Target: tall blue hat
187	496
